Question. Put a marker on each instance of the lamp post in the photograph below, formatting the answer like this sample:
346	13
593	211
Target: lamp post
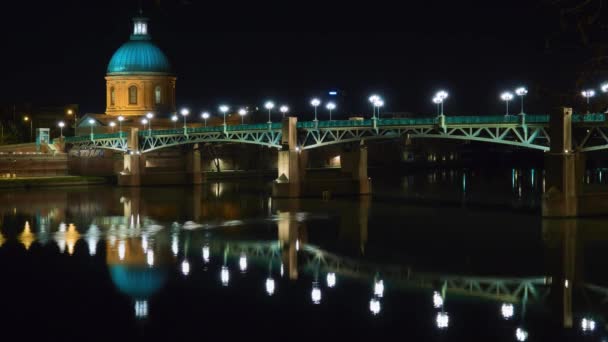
224	109
26	119
184	112
150	116
441	95
112	125
506	96
330	106
315	103
71	112
91	123
242	113
61	124
269	105
587	94
284	109
174	118
437	101
373	99
521	92
144	122
205	116
120	120
379	104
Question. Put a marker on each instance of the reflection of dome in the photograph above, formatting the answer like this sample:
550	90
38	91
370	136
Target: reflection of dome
138	56
138	282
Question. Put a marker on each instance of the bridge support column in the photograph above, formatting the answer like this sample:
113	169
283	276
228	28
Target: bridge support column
353	163
134	163
291	163
564	169
193	166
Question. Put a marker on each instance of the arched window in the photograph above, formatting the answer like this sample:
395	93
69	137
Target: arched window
133	95
157	94
112	96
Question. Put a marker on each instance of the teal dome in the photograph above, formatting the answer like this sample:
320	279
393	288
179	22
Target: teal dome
137	57
138	282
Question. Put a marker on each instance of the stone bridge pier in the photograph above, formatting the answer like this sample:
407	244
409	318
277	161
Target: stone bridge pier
134	172
294	180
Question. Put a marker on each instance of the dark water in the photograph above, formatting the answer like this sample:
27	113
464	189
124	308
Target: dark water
106	263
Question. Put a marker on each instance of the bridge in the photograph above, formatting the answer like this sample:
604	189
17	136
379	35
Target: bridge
564	135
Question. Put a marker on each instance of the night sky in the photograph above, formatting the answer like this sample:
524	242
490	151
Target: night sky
56	52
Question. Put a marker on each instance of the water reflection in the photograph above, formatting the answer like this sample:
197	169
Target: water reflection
145	247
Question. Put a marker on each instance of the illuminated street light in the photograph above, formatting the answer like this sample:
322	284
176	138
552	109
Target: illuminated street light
120	120
521	334
91	123
315	294
112	124
507	310
269	105
270	286
379	104
242	113
437	101
506	96
61	124
315	103
150	116
442	320
184	112
441	96
373	99
224	109
205	116
26	119
374	306
174	118
330	106
284	110
587	94
331	279
521	92
225	276
144	122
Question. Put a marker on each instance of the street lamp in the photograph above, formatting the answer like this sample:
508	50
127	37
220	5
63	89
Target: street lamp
373	99
91	123
70	112
330	106
506	96
224	109
269	105
242	113
120	120
379	104
26	119
284	109
587	94
315	103
61	124
521	92
184	112
150	116
174	118
144	122
437	101
205	116
112	125
441	96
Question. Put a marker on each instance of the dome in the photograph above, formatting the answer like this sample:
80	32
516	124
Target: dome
139	56
138	282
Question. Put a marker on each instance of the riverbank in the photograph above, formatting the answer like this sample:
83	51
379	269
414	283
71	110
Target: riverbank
51	181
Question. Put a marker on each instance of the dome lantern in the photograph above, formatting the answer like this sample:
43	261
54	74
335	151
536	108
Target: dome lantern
140	29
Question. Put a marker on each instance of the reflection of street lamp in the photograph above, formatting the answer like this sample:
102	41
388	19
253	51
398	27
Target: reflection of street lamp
26	119
284	110
315	103
269	105
330	106
61	124
242	113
